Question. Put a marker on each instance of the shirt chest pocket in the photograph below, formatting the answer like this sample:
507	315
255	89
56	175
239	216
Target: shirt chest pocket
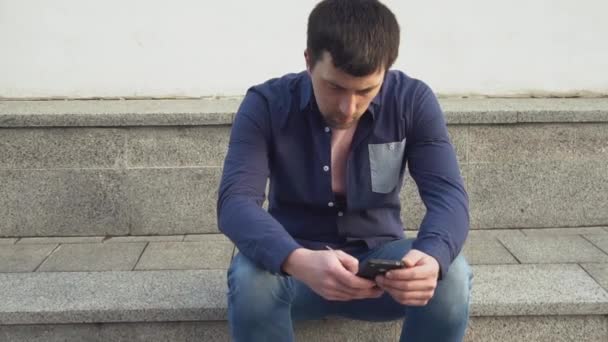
385	165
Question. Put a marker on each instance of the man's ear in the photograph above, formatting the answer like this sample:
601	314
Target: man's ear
307	59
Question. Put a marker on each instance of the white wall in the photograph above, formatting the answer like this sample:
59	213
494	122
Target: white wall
129	48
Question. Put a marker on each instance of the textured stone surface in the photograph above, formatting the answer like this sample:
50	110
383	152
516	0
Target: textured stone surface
562	110
544	194
599	272
86	297
592	140
495	233
211	254
538	329
486	329
206	237
172	200
549	289
460	137
553	249
601	241
328	330
412	207
509	110
93	257
565	231
62	202
144	238
36	148
60	239
7	241
347	330
538	142
177	146
485	250
522	142
209	111
23	258
208	331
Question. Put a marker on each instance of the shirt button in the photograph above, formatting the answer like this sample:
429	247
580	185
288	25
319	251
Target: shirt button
327	130
391	147
325	168
340	213
330	204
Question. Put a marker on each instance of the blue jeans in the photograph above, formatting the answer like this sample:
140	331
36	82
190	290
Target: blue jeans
262	306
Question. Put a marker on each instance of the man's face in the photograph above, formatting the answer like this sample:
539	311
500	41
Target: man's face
342	98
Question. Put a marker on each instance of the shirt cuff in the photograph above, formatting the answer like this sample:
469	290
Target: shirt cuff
436	248
273	260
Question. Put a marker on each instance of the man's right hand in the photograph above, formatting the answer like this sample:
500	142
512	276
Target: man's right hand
331	274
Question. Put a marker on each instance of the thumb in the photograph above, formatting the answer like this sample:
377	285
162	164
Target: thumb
412	258
348	261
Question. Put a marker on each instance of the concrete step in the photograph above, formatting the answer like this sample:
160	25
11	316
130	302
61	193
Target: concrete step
77	168
529	285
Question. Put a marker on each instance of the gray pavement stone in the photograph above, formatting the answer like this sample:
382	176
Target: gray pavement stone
170	201
60	239
98	297
523	142
484	250
564	231
7	241
206	237
460	136
177	146
599	272
208	331
601	241
62	202
93	257
145	238
326	330
208	111
549	289
587	328
553	249
23	258
413	209
543	194
347	330
592	140
34	148
211	254
562	110
495	233
213	111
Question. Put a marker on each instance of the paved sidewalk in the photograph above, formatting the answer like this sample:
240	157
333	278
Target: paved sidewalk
540	279
587	247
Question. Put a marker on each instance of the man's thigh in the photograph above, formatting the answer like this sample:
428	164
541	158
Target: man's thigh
309	305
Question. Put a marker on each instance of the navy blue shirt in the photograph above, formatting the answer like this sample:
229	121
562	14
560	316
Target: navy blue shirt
280	135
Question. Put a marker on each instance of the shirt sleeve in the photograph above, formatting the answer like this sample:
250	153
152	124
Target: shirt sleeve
240	215
434	167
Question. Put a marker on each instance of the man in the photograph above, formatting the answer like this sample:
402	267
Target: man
334	142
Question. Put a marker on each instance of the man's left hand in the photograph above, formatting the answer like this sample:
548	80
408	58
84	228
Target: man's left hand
415	284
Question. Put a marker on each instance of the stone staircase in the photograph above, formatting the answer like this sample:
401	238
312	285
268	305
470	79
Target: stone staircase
108	229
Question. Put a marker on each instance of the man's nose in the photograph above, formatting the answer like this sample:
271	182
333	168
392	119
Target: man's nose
348	105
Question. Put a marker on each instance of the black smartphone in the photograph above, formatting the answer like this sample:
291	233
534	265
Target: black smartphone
373	267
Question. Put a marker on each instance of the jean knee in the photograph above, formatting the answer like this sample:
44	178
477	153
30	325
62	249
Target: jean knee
254	291
452	295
